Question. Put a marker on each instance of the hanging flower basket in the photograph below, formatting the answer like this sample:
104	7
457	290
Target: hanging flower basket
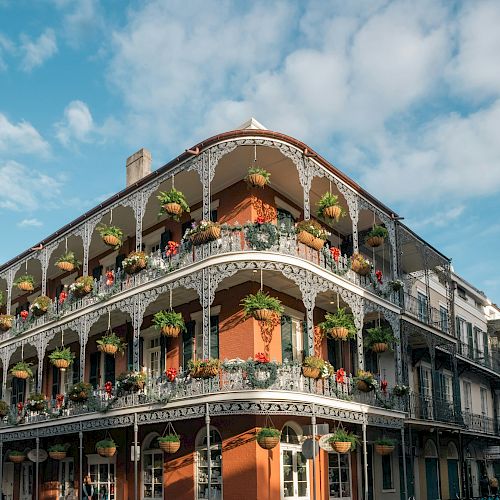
204	368
57	455
65	266
111	235
380	339
376	236
62	364
111	344
106	448
170	331
82	286
374	241
343	441
61	357
68	261
341	446
108	349
329	207
382	449
173	203
339	333
170	323
41	305
360	265
262	306
203	232
25	283
169	443
333	212
6	322
16	457
257	177
22	370
22	374
172	208
135	262
379	347
268	438
311	233
263	314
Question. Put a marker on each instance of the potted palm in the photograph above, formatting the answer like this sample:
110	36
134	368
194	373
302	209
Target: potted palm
204	368
311	234
6	322
41	305
170	443
384	446
16	456
106	447
173	203
360	265
379	339
343	441
111	235
329	207
68	262
258	177
80	392
340	325
312	366
268	437
58	451
131	381
22	370
61	357
170	323
26	283
376	236
365	382
262	306
82	286
135	262
4	409
203	232
110	343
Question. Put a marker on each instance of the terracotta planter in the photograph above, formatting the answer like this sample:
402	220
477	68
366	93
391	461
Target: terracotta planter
106	452
38	312
5	322
22	374
305	238
205	372
256	180
37	406
82	292
65	266
339	333
111	240
132	386
263	314
311	372
170	331
360	268
62	364
108	349
210	234
363	386
382	449
169	446
3	413
81	397
379	347
137	267
375	241
333	212
25	286
268	443
57	455
172	208
17	459
341	446
317	243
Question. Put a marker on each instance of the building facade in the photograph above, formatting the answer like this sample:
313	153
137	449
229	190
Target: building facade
434	394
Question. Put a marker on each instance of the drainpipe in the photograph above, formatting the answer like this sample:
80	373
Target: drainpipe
136	430
405	479
365	463
313	425
37	465
80	471
209	453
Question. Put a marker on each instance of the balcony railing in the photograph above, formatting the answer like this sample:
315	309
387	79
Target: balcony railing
479	356
424	313
480	423
289	379
431	408
160	265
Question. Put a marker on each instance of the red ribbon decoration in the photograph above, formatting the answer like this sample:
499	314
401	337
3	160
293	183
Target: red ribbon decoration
335	253
260	357
378	274
20	407
108	387
24	315
59	400
383	385
110	278
172	249
62	297
171	373
340	376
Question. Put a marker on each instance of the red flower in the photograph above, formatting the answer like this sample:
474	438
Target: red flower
171	373
260	220
335	253
62	297
340	376
110	278
172	249
20	407
378	274
24	315
108	387
383	385
260	357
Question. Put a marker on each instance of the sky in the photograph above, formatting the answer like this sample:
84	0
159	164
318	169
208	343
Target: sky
402	96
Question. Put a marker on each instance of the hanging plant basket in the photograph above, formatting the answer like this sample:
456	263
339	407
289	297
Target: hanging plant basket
22	374
311	234
135	262
65	266
256	180
363	386
6	322
62	364
172	208
170	323
374	241
263	314
383	449
16	458
171	446
310	372
380	347
57	455
305	238
339	333
106	452
376	236
333	212
210	233
268	438
360	265
111	240
108	349
170	331
341	446
25	286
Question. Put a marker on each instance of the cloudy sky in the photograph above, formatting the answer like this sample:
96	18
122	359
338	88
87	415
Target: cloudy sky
403	96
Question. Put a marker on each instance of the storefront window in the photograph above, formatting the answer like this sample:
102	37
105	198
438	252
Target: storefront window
339	476
152	478
206	460
102	475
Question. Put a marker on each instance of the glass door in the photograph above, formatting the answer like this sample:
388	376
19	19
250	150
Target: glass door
26	486
295	473
152	475
66	478
215	470
339	476
103	479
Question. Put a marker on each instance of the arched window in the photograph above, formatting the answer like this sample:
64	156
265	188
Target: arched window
294	468
152	468
203	462
289	435
430	450
452	451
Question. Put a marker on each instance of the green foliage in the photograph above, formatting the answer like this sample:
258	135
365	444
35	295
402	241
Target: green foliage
169	438
62	353
23	366
16	453
4	407
25	278
379	334
261	300
131	378
328	200
105	230
343	436
384	441
259	171
195	364
69	256
112	339
173	196
58	447
312	227
365	376
105	443
379	231
36	397
169	318
341	319
200	227
268	432
42	302
85	281
78	388
313	362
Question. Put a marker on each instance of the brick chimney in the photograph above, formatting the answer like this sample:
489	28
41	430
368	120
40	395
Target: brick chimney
138	166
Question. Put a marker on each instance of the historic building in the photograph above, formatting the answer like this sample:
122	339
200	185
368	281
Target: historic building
205	357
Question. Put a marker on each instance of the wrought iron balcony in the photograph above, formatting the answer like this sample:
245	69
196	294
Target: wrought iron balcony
431	408
480	423
424	313
480	357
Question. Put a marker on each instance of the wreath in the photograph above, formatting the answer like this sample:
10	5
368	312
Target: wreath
261	236
254	367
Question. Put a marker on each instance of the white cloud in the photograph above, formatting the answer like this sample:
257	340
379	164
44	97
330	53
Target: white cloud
6	47
77	123
25	189
30	223
21	138
36	52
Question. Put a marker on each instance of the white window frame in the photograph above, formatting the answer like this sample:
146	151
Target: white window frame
151	452
26	476
483	391
348	456
467	388
152	240
94	459
65	463
298	319
391	462
295	449
149	335
200	447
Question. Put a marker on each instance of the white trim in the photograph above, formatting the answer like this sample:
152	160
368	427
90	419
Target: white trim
285	206
196	214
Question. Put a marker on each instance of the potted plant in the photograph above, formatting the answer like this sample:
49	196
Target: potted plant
343	441
41	305
376	236
396	285
26	283
110	343
329	207
111	235
106	447
4	409
268	437
170	323
311	233
68	262
400	390
203	232
131	381
173	203
365	382
61	357
170	443
82	286
22	370
135	262
380	339
262	306
6	322
384	446
36	402
16	457
80	392
258	177
360	265
204	368
58	451
312	366
340	325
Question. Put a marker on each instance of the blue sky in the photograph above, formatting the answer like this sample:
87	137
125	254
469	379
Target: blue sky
403	96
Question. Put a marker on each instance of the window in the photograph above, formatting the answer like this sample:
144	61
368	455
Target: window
286	222
198	333
461	293
188	344
293	338
95	361
152	356
443	316
18	388
294	466
66	478
467	396
102	475
470	339
484	401
204	460
422	307
387	483
152	478
339	475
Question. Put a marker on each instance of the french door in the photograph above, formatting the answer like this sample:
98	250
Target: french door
66	477
26	483
339	476
294	473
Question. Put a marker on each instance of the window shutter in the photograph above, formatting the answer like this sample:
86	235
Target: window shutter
55	381
286	338
187	344
214	336
76	371
109	369
163	353
165	237
95	359
118	261
486	346
470	338
330	345
130	354
213	215
305	340
97	272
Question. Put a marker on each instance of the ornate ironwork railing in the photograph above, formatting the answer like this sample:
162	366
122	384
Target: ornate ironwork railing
480	423
423	407
424	313
479	356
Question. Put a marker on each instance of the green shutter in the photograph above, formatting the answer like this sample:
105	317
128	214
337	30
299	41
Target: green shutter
95	359
470	339
214	337
187	344
286	338
305	340
97	272
118	261
163	353
109	369
165	237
